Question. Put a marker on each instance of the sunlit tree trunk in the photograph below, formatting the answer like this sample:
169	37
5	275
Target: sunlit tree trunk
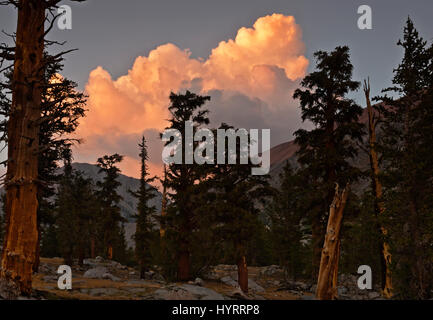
110	252
328	272
243	274
385	256
23	131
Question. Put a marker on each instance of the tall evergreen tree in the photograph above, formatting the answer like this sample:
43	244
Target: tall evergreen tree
109	224
325	151
405	144
75	206
237	198
287	222
182	178
145	213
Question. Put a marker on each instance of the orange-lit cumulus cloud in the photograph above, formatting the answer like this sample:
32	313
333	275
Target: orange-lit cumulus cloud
258	70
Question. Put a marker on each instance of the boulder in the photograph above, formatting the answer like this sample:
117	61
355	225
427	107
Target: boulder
271	271
198	282
186	292
96	273
229	281
238	294
109	276
253	286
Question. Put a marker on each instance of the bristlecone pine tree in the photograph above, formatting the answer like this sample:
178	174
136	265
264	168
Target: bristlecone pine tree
328	272
61	108
19	248
325	151
379	206
145	213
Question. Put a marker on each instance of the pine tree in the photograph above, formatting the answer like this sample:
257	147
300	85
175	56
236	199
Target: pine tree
182	179
27	84
405	144
237	197
110	218
145	213
288	222
75	207
379	206
325	151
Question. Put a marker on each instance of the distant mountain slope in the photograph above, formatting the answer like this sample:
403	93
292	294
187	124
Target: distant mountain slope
287	152
129	203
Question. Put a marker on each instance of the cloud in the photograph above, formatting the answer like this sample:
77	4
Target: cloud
250	78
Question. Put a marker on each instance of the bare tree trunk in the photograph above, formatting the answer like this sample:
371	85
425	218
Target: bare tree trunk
23	141
327	281
110	252
163	204
243	274
385	256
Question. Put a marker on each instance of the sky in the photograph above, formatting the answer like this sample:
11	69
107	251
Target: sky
248	55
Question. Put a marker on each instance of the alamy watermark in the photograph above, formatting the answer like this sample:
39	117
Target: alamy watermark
64	21
248	147
365	21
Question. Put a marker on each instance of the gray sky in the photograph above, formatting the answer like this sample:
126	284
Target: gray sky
112	34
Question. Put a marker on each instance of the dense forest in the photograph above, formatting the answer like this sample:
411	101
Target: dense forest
327	212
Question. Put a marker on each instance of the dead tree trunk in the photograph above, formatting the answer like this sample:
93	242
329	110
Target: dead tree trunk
379	206
327	281
23	143
243	274
163	204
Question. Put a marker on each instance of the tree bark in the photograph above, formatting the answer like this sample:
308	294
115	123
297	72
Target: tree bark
183	272
243	274
36	264
110	252
163	204
23	143
379	206
328	272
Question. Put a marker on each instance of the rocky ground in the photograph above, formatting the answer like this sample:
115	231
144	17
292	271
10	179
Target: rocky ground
104	280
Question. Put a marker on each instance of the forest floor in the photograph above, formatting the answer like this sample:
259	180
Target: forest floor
109	280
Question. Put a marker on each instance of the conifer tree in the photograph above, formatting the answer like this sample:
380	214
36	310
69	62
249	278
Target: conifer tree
405	149
23	127
325	151
110	229
288	222
237	196
75	206
145	213
182	179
